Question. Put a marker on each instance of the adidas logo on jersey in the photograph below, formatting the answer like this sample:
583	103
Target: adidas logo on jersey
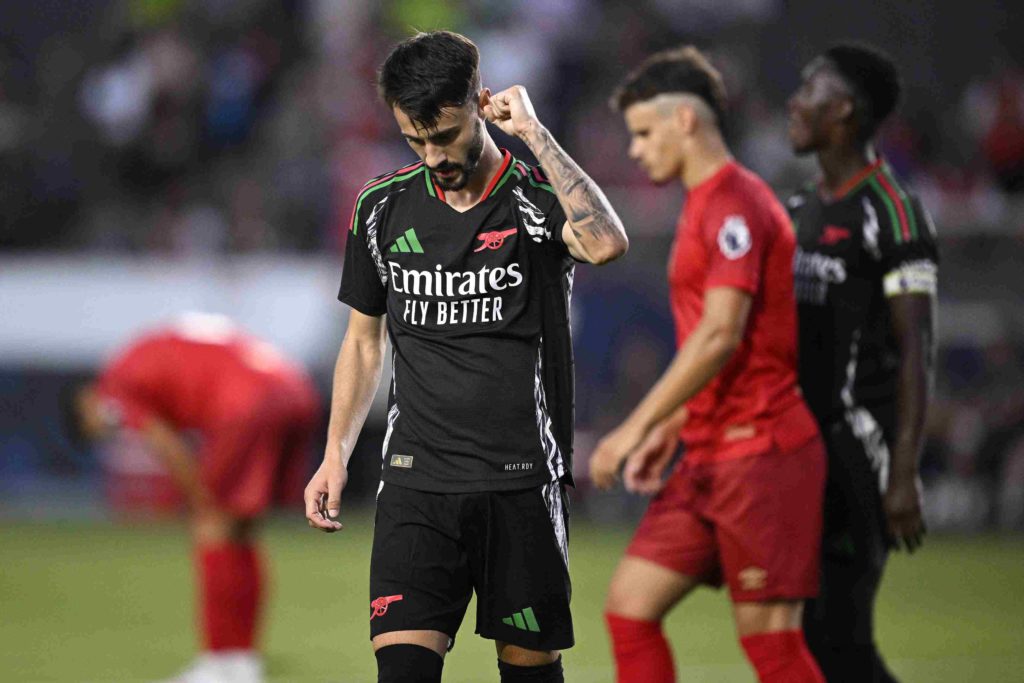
407	243
524	621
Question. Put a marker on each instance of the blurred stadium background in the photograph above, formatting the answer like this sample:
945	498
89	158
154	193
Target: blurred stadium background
159	156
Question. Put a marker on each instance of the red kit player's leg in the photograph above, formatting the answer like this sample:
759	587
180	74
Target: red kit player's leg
260	452
672	551
767	512
231	588
240	464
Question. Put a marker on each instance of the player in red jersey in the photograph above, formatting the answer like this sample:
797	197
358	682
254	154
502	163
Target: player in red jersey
744	506
254	412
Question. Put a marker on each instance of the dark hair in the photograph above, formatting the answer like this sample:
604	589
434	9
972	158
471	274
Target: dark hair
429	72
874	80
679	70
70	416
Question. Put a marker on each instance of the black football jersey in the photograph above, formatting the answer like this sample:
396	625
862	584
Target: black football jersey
477	306
870	242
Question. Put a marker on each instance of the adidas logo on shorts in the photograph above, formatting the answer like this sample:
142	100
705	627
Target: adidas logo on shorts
524	621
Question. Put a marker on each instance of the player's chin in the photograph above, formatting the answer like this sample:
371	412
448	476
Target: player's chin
660	176
800	140
452	183
801	145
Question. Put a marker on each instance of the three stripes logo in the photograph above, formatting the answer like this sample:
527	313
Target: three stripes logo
524	621
407	243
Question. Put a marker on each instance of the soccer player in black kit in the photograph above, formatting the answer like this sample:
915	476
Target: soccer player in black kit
866	276
469	254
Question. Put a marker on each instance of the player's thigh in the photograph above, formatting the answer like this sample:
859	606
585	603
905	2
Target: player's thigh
855	522
518	547
419	579
854	545
643	590
673	550
767	511
240	460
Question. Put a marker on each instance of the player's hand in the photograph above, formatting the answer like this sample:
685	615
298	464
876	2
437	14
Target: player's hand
511	111
646	465
610	453
323	495
902	504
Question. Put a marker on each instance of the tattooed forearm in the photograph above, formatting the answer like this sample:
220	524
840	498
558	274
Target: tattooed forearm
591	217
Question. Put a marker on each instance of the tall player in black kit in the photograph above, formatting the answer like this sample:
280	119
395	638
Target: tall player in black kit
866	277
469	254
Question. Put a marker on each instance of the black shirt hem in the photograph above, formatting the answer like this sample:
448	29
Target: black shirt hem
420	483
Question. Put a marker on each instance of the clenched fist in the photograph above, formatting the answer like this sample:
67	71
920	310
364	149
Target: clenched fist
511	111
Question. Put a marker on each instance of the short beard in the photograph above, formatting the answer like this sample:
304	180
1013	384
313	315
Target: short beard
467	168
804	149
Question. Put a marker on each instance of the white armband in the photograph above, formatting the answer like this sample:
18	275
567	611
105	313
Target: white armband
912	277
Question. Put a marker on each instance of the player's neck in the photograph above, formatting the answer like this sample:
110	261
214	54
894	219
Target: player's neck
842	163
703	161
472	193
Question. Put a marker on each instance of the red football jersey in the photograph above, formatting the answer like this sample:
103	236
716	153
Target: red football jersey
733	232
198	374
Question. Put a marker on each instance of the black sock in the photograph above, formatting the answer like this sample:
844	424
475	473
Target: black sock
407	663
545	673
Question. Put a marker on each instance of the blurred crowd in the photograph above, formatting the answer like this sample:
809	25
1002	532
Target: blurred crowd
187	127
199	128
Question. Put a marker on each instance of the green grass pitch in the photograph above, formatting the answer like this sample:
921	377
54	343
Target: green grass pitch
96	602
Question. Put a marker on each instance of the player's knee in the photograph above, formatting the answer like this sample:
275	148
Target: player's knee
212	527
617	600
624	600
407	663
548	672
767	617
521	656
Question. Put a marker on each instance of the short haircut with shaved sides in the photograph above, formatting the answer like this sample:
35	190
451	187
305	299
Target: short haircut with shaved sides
428	72
681	70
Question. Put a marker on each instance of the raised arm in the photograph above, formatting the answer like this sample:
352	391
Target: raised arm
356	376
593	231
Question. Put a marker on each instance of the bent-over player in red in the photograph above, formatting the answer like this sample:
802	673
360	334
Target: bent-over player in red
254	412
743	507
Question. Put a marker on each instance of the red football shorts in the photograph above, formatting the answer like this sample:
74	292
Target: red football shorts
258	453
753	522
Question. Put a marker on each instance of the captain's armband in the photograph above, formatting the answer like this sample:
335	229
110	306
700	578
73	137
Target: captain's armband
912	277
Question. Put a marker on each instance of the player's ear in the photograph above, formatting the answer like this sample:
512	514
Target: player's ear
483	99
685	117
844	109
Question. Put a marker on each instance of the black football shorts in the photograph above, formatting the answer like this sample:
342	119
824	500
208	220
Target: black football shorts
432	550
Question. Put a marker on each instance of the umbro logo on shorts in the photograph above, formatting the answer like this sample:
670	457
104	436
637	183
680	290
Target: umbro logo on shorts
753	578
380	605
524	621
